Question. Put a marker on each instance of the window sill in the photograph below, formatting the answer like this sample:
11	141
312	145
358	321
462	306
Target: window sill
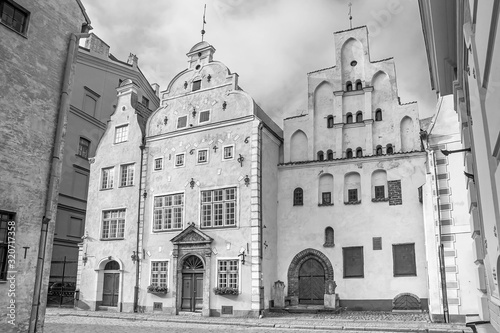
328	245
117	143
110	239
354	277
405	275
380	199
325	204
166	230
219	227
106	189
352	202
126	186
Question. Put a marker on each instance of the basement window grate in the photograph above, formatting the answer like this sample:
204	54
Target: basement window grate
157	306
227	310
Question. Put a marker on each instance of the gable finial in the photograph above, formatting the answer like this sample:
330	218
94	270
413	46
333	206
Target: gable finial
350	15
204	22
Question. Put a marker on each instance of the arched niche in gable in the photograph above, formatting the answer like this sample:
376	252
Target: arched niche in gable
382	91
353	61
407	132
298	146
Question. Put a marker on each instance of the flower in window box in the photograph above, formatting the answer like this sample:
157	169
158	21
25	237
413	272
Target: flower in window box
226	291
156	289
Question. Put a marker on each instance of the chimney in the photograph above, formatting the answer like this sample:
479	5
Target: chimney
97	47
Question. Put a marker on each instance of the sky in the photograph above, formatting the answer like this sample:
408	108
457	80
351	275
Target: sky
271	44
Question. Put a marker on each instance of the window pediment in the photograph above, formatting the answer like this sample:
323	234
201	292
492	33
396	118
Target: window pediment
191	235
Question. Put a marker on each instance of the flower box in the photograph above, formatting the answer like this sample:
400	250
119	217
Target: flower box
159	290
226	291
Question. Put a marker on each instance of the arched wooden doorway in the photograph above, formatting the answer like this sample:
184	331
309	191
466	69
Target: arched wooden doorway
192	284
311	282
111	284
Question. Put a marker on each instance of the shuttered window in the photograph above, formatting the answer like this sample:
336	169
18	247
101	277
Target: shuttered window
404	259
353	262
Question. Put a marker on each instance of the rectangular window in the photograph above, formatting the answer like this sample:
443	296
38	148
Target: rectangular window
121	134
127	175
196	85
159	273
145	102
203	156
107	178
377	243
353	262
379	192
7	224
404	259
218	208
352	195
158	163
204	116
179	160
14	16
228	273
168	212
113	224
83	148
228	152
182	122
326	197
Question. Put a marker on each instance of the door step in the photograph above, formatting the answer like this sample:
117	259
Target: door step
108	308
189	313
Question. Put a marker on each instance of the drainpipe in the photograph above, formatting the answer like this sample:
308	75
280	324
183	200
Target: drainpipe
55	176
261	224
136	287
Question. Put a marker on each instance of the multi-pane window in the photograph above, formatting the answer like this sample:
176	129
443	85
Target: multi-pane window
228	152
352	195
83	148
168	212
404	259
204	116
298	197
379	192
228	274
7	225
326	197
107	178
203	156
127	175
179	160
145	102
159	273
196	85
13	16
218	208
158	163
182	122
353	261
113	224
121	134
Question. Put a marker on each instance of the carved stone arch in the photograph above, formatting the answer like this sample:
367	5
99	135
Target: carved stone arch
406	301
298	260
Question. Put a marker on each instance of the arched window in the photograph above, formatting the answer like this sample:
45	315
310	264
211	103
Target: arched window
111	266
329	237
325	187
329	154
321	155
359	117
329	121
359	85
352	188
379	185
298	197
379	150
378	115
348	118
348	86
389	149
359	152
348	153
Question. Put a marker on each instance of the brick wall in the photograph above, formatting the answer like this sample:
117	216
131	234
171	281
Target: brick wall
395	197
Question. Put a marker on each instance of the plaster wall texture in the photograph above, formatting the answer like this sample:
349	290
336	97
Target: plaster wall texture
304	226
32	74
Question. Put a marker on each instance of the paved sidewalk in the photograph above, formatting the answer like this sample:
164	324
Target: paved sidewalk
351	321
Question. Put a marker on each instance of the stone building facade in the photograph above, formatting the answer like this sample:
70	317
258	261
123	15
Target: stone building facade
39	39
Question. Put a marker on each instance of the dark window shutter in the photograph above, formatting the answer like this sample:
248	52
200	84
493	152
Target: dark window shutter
353	261
404	259
377	243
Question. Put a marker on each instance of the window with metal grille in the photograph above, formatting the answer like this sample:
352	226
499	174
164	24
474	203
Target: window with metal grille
107	178
159	163
159	273
228	152
204	116
228	273
404	259
353	262
127	175
14	16
182	122
121	134
352	195
218	208
113	224
298	197
326	198
7	224
196	85
83	148
168	212
379	192
179	160
203	156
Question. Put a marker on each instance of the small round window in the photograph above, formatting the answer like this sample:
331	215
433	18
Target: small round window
198	67
354	63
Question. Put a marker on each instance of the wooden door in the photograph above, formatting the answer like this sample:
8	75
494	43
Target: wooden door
192	291
311	282
110	289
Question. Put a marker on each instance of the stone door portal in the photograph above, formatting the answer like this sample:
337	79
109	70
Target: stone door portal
111	284
311	282
192	284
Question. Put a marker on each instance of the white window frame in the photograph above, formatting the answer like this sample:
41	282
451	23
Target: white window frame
116	132
101	230
177	124
151	271
110	180
198	155
154	163
183	216
239	271
126	165
206	121
184	160
236	209
224	154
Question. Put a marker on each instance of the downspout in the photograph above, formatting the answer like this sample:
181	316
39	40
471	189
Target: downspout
261	224
136	287
55	176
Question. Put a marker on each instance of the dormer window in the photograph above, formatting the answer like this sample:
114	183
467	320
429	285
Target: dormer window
196	85
348	86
